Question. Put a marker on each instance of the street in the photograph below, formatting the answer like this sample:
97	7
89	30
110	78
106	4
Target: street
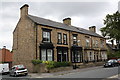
93	72
97	72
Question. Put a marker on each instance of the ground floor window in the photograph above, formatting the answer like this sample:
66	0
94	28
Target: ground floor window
96	56
91	56
62	55
104	55
77	56
46	54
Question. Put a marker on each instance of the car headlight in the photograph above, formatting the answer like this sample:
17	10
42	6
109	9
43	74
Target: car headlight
109	63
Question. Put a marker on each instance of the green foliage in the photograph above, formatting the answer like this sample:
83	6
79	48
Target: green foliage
114	55
53	64
35	62
49	66
112	26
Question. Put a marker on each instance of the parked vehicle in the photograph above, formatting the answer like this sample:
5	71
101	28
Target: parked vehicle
118	61
18	70
4	68
111	63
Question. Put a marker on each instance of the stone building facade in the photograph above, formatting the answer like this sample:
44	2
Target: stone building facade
47	40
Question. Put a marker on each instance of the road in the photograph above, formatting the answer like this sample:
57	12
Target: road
93	72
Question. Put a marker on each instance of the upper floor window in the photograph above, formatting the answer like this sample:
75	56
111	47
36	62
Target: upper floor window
87	42
102	43
96	43
64	38
74	39
93	43
46	35
59	38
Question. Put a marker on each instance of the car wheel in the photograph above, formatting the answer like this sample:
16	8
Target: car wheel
10	74
15	75
104	66
113	65
26	74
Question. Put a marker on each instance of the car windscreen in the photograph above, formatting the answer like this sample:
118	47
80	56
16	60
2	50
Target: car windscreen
20	67
110	61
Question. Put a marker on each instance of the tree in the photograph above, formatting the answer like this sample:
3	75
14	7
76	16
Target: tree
112	27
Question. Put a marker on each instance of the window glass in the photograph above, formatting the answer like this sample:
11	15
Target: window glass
90	56
43	53
87	42
77	56
59	38
46	55
49	53
65	55
96	43
46	36
59	52
74	40
64	39
102	43
59	56
62	55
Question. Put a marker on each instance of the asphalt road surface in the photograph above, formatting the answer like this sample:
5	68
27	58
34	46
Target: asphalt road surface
97	72
93	72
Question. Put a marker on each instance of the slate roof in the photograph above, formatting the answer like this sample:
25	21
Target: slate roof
47	22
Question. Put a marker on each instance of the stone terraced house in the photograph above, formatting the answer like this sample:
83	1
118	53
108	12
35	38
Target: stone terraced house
47	40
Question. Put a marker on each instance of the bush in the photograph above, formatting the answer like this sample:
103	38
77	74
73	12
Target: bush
35	62
53	64
49	66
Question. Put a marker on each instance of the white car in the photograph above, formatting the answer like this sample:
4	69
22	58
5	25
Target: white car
18	70
4	68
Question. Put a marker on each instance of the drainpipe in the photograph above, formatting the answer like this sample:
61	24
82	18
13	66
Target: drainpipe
70	47
36	39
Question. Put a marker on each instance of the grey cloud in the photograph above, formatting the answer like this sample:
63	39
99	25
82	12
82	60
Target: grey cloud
71	9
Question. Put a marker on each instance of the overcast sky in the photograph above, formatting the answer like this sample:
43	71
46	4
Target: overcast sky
83	14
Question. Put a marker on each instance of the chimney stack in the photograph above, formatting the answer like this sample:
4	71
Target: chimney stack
24	10
93	29
67	21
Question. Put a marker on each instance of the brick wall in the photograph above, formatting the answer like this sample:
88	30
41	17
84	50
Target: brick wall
5	55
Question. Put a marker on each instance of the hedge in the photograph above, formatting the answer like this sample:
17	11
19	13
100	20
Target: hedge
54	64
35	62
51	64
